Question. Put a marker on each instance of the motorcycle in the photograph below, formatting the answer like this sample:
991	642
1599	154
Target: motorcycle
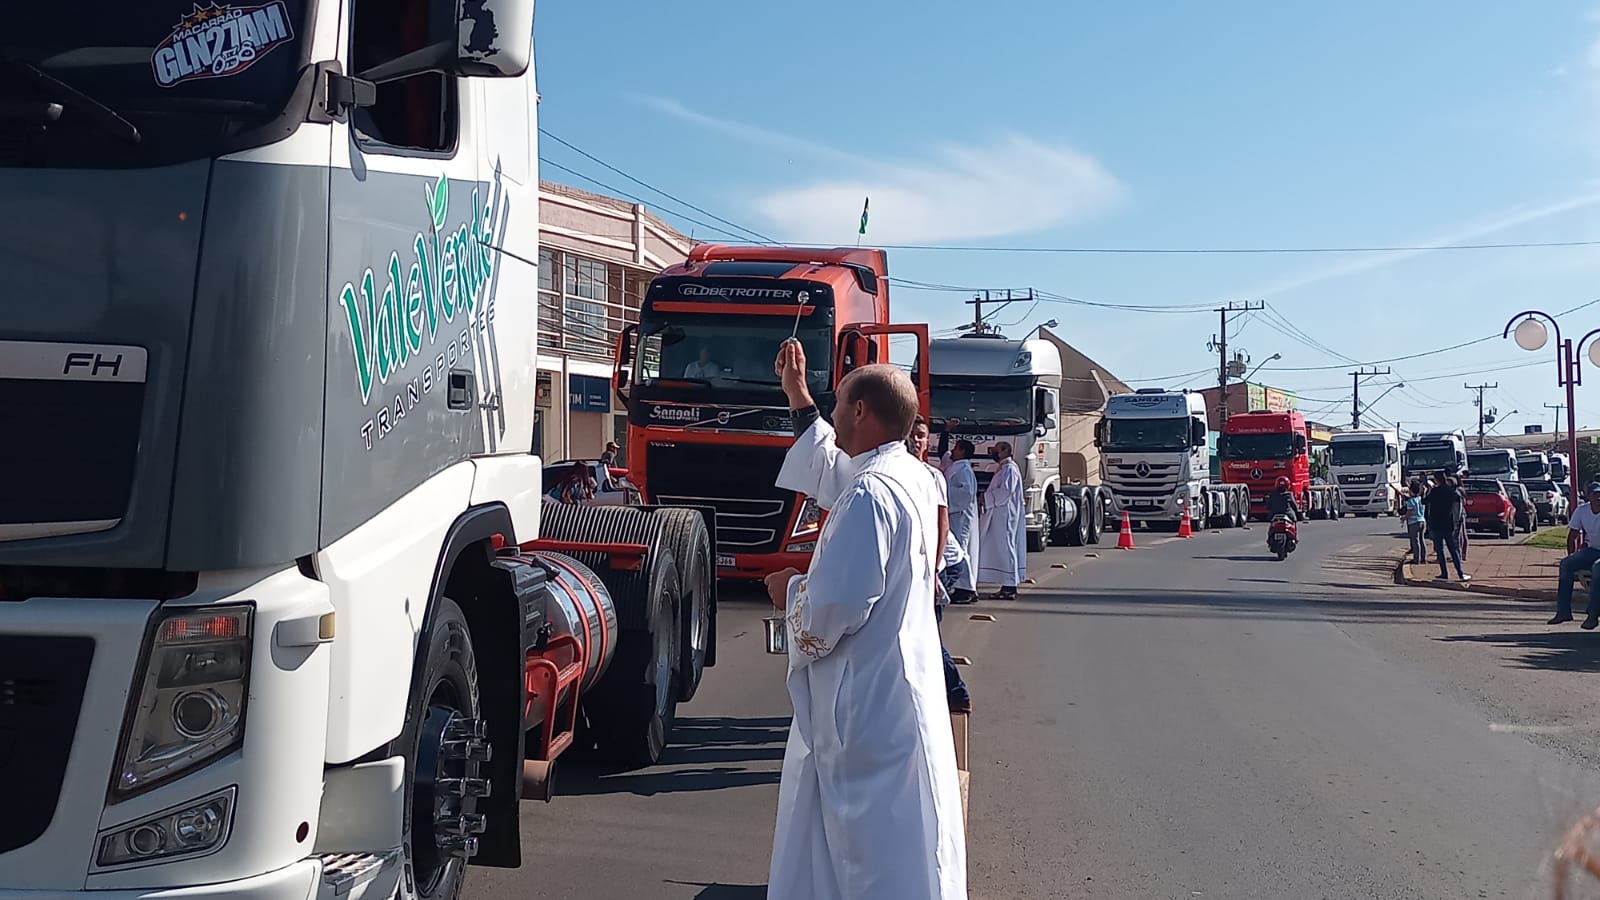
1282	536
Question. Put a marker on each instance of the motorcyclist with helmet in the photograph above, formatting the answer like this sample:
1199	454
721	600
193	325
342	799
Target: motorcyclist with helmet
1281	502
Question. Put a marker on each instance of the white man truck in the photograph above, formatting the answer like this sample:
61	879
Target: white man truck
282	612
1365	465
1497	463
1430	452
1533	465
1155	462
995	390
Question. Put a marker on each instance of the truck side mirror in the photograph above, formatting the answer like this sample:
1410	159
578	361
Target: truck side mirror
626	344
1100	433
1047	404
1197	433
483	39
1299	443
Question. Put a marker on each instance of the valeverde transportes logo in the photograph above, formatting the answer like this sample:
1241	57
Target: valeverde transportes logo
446	276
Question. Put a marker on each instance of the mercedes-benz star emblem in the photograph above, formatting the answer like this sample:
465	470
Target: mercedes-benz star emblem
1255	473
1142	470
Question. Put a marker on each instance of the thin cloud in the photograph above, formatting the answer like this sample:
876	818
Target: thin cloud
1011	186
1459	234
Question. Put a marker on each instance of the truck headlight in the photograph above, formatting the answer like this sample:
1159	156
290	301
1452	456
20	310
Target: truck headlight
194	828
190	706
808	520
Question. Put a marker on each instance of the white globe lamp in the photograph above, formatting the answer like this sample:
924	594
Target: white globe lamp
1531	334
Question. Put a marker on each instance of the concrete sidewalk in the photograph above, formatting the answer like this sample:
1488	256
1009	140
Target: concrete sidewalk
1501	568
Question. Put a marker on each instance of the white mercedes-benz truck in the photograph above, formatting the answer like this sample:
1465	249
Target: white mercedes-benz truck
1365	466
1155	461
995	389
277	617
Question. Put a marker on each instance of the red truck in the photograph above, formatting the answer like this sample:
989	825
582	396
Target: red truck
1259	447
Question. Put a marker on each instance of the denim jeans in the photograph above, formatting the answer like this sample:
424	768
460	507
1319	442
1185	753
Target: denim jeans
1419	547
1443	540
1581	559
954	688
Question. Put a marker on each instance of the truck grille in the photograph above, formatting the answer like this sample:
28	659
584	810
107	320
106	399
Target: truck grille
1365	478
68	453
753	514
42	680
1142	479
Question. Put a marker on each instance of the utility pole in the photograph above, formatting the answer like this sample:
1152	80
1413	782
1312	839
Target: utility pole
1355	393
977	304
1480	388
1558	407
1219	343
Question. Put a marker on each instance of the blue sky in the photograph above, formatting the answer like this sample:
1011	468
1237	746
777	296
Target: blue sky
1066	124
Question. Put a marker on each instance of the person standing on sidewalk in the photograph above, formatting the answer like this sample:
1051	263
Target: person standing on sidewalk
1416	524
1445	517
944	575
1583	552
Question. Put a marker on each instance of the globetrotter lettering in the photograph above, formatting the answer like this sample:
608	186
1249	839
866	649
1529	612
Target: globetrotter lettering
447	276
700	290
217	41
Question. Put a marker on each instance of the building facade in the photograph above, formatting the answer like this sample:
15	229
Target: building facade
597	255
1085	385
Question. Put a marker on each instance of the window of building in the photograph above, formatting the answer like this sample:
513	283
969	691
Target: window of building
547	270
420	113
587	278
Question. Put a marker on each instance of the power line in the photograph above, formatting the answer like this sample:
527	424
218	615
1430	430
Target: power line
1397	248
637	199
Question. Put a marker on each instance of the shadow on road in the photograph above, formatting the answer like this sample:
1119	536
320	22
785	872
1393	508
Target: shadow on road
726	891
1262	557
707	754
1561	651
1290	602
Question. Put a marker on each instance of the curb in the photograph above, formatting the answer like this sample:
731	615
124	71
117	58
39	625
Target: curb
1401	578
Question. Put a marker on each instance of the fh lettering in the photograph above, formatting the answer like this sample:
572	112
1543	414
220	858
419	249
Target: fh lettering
96	363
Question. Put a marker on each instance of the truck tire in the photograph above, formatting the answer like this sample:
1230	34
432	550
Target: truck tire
1243	503
442	743
689	540
1036	541
1094	510
631	710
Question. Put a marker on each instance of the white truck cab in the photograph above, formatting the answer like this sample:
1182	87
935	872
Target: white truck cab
1497	463
996	390
1155	461
1365	465
1430	452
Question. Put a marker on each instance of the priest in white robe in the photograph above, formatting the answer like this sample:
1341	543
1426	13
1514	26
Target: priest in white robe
962	490
869	805
1003	542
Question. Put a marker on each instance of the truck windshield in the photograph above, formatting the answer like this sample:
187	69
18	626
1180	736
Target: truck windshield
187	76
1358	453
1491	464
1430	458
1000	405
1147	434
1528	469
1258	446
692	353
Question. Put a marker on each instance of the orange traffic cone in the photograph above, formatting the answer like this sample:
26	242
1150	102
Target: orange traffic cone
1185	530
1125	540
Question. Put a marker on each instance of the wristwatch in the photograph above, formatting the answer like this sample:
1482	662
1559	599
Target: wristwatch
804	418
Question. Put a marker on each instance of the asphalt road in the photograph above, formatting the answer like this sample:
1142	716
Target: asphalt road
1192	719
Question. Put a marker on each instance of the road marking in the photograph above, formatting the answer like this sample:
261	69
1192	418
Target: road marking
961	660
1510	728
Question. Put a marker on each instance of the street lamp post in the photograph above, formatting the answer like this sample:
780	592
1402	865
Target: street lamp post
1531	334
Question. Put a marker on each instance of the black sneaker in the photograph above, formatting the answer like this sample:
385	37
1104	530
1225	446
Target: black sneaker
1560	617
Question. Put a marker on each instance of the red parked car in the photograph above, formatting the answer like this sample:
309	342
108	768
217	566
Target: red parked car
1489	507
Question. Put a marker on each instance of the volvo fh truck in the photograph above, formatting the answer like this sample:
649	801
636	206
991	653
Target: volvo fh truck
275	620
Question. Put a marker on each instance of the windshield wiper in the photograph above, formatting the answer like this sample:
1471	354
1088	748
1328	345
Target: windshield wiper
704	381
762	381
109	120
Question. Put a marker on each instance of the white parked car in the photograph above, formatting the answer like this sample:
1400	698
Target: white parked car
612	487
1550	500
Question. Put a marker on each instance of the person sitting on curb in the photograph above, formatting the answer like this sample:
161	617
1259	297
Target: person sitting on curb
1583	527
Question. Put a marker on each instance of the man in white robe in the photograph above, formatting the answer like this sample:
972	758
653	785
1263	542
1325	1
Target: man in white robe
955	688
1003	544
961	484
869	805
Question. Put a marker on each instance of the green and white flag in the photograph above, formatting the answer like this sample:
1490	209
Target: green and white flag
864	204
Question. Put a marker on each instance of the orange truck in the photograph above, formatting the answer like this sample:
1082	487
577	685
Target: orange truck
708	422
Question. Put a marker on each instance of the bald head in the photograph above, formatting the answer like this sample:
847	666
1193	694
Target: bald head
877	405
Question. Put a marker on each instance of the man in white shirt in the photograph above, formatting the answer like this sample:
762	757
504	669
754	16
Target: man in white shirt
955	688
1003	546
702	368
1583	528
